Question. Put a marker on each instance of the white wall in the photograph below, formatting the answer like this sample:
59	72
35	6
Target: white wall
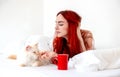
21	18
18	20
102	17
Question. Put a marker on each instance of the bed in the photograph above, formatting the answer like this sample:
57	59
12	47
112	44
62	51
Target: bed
10	68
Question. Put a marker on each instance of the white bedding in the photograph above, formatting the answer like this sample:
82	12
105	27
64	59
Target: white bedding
94	60
9	68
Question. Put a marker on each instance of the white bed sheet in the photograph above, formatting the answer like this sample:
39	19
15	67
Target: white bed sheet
9	68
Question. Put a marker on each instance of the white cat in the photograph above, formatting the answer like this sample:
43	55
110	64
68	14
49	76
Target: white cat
32	56
35	52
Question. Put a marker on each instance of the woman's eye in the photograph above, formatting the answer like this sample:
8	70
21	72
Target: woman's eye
60	24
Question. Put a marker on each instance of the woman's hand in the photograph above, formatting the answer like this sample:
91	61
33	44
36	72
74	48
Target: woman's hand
47	55
81	39
43	55
54	60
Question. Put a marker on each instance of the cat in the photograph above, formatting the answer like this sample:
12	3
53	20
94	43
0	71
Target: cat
32	56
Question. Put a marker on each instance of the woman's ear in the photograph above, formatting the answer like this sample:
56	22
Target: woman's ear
28	48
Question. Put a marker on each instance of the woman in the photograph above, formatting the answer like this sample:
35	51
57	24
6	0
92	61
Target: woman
69	38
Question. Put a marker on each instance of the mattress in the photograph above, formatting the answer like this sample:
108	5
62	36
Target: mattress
9	68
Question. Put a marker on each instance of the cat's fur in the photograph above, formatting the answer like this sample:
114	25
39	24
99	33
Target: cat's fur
35	57
32	56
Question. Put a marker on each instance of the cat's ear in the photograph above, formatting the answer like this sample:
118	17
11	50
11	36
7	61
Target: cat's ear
28	48
36	44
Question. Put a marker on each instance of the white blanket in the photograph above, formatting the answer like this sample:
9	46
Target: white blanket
94	60
9	68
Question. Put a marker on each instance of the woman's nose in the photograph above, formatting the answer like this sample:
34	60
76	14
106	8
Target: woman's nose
56	27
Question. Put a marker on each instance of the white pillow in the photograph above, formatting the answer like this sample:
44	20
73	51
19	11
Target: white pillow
43	41
85	61
109	58
94	60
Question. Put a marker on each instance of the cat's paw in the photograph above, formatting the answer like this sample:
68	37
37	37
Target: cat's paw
36	64
22	65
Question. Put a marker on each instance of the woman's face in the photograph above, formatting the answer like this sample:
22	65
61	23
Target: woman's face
61	28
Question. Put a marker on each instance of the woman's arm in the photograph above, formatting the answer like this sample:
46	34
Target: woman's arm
88	39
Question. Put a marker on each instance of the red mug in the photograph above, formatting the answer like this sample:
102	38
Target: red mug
62	63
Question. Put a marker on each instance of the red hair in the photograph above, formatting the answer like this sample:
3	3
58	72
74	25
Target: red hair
60	44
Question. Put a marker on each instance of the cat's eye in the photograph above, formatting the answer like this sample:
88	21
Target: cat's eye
34	52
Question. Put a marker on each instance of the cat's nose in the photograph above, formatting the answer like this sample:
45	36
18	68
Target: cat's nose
34	52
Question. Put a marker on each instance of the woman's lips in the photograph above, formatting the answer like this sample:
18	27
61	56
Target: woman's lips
57	32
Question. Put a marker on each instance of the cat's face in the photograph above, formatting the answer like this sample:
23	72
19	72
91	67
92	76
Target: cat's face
32	52
33	49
